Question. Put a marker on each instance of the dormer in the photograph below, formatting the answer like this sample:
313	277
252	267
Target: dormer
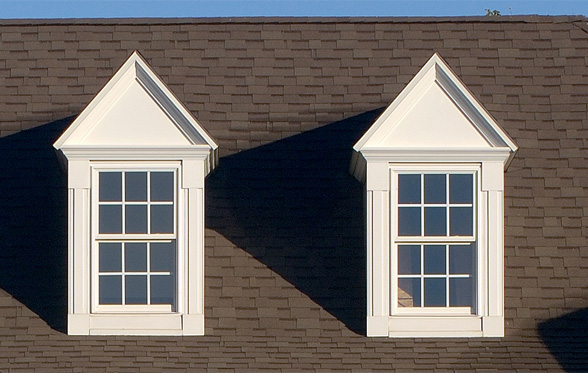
136	161
433	164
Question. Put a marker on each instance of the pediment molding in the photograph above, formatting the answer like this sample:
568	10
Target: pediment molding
136	110
434	114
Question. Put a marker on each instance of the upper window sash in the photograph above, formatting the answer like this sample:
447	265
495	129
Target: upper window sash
409	212
121	202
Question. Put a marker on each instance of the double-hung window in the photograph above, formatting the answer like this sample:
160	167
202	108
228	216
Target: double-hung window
434	248
135	247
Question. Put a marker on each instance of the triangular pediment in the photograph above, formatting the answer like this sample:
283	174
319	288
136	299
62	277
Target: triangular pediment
432	121
137	120
135	109
437	111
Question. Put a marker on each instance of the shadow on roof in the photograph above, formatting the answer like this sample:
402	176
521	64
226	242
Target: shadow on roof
567	339
33	222
293	205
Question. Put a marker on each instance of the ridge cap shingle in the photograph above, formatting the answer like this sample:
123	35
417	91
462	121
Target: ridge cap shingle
531	18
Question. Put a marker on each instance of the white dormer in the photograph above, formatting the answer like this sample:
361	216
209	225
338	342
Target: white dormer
136	161
433	164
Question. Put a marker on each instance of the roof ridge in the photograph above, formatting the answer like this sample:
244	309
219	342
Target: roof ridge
533	18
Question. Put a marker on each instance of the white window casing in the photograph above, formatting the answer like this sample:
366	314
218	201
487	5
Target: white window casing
136	124
435	125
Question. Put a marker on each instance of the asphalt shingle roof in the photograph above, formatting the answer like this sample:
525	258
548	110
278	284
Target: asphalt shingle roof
285	253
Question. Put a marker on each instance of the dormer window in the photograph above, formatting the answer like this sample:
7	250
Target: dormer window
434	234
136	236
136	162
433	164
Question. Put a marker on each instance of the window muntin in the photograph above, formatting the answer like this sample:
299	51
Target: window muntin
136	202
136	240
434	204
436	275
434	247
136	273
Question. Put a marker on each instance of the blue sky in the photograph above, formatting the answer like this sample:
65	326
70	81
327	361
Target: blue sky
228	8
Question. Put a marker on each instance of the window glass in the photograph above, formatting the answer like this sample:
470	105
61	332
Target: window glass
162	186
461	291
136	289
135	219
409	188
110	290
461	221
409	259
110	185
136	257
136	186
461	188
409	292
461	259
435	221
110	219
435	190
163	256
435	292
162	219
409	221
162	289
110	257
434	259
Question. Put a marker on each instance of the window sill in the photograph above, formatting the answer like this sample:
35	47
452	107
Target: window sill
435	326
172	324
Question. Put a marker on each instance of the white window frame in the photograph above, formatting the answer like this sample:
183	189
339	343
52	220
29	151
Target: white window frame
85	316
396	240
178	236
383	319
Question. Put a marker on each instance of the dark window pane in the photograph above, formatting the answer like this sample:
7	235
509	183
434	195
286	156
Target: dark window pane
110	219
409	221
110	257
461	292
136	257
461	259
110	186
409	292
136	219
409	188
163	256
136	186
435	292
435	221
435	189
162	289
461	221
110	290
162	219
136	289
434	259
409	259
461	188
162	186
